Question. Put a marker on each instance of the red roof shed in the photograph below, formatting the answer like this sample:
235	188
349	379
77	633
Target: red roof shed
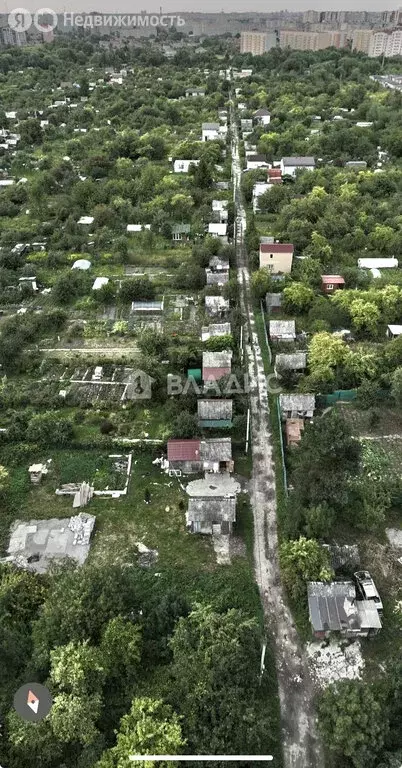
183	450
331	283
213	374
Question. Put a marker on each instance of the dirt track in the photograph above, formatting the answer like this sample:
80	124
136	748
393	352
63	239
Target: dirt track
301	746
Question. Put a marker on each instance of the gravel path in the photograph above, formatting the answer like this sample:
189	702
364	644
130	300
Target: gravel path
301	746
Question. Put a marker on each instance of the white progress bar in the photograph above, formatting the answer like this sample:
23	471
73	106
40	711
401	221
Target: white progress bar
204	758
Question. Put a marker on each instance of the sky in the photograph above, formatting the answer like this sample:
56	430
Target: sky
207	6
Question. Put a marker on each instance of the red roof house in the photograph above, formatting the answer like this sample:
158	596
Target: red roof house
274	176
277	257
183	450
215	365
332	283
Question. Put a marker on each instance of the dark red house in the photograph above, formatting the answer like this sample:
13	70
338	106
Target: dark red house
332	283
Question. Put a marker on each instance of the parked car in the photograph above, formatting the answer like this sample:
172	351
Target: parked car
367	589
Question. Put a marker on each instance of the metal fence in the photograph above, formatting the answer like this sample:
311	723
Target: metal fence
285	474
340	395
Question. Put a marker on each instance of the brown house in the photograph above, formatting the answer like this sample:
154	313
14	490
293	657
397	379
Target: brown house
332	283
293	431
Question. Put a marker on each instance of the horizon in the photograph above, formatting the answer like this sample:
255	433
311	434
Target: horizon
192	6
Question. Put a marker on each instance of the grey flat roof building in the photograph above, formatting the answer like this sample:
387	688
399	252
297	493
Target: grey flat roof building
293	362
298	160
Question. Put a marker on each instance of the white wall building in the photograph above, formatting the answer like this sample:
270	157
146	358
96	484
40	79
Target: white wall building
210	131
182	166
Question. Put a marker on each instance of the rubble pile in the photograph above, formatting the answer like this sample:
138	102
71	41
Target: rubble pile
333	662
82	526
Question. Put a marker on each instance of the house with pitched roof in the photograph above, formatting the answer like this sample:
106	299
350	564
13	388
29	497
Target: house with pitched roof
289	165
215	329
332	283
282	330
334	607
276	257
212	504
211	455
215	413
262	116
297	405
215	365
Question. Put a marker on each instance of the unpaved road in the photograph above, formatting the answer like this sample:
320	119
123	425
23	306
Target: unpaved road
301	746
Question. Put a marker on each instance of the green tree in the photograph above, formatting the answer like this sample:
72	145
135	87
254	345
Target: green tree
319	248
150	727
4	478
297	298
301	561
396	385
30	131
186	425
77	673
325	460
352	722
215	685
365	315
137	289
261	283
71	285
327	351
50	429
121	649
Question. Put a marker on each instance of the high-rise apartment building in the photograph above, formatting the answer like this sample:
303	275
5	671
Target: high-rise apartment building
252	42
386	44
257	43
311	41
361	40
311	17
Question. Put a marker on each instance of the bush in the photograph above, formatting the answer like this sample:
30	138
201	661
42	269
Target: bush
106	427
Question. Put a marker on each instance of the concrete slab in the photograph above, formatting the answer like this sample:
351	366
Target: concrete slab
214	484
34	544
39	538
221	544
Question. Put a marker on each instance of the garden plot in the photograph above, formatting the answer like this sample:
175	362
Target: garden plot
151	272
182	311
383	457
101	383
117	476
388	421
138	324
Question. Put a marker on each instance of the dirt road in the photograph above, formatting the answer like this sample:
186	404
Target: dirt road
301	746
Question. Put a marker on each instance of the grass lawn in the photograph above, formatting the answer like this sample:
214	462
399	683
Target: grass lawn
389	420
120	523
169	258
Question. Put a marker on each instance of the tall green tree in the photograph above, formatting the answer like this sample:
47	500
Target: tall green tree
353	723
151	727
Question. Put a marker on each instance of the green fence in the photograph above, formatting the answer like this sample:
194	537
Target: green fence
340	395
265	332
285	474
